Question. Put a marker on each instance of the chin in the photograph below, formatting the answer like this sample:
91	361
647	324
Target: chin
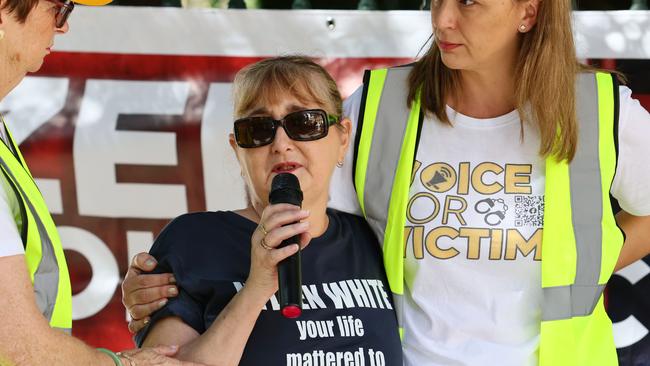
35	66
451	62
455	63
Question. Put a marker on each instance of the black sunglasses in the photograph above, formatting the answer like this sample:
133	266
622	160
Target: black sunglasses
62	15
306	125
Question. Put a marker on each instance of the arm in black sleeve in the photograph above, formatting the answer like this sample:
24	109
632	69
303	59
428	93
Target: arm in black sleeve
171	253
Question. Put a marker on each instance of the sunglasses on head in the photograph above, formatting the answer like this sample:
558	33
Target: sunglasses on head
62	15
305	125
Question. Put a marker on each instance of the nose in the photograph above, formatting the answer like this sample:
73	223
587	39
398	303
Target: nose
64	29
282	141
444	14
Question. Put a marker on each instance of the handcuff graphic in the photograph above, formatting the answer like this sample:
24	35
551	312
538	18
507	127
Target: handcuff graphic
485	206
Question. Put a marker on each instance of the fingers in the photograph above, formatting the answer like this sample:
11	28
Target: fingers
144	310
280	222
275	256
276	236
142	262
135	280
170	351
144	294
145	289
277	223
144	281
154	280
136	325
159	355
305	238
275	216
165	350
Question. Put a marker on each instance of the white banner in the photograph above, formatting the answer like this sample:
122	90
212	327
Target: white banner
319	33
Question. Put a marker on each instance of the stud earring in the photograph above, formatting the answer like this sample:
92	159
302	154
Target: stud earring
2	34
522	28
339	164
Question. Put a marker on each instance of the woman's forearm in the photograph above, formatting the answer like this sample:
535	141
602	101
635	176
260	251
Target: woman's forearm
637	238
223	343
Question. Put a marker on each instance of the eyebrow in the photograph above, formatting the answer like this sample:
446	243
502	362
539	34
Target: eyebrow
263	110
295	107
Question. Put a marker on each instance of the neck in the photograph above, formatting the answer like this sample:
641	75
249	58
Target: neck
318	220
9	78
486	93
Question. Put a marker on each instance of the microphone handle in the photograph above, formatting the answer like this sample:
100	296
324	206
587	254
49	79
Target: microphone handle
290	281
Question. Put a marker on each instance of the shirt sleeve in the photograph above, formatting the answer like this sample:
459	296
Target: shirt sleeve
10	241
343	197
185	305
630	186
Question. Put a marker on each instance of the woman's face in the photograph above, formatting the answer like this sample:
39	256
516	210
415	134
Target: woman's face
479	34
311	161
26	44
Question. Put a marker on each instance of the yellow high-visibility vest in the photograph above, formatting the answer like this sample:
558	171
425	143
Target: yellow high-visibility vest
43	251
581	240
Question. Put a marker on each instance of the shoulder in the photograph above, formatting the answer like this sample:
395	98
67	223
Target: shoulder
348	248
347	218
352	104
349	223
632	170
634	119
193	234
199	222
631	108
203	245
182	225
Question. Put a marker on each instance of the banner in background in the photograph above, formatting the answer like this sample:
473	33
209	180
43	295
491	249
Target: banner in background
126	125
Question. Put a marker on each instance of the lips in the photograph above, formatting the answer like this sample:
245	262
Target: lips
286	167
447	46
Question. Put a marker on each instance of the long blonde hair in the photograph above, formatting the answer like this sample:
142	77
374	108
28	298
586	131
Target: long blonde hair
545	77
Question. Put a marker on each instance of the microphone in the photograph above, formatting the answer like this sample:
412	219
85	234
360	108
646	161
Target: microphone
285	188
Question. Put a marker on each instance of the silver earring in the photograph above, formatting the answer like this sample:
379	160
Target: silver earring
522	28
339	164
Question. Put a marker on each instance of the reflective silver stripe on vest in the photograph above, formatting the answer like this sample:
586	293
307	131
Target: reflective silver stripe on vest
580	299
398	305
387	139
64	330
46	277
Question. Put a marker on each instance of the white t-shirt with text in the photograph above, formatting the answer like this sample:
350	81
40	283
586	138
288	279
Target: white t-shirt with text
475	224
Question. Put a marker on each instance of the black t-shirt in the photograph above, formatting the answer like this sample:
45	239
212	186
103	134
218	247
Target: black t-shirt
347	316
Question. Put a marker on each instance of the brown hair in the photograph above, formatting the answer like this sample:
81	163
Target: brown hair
545	73
20	8
265	81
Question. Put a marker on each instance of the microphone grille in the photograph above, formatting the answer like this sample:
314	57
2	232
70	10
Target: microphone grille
284	181
285	188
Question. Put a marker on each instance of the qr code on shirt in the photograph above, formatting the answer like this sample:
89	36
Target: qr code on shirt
529	211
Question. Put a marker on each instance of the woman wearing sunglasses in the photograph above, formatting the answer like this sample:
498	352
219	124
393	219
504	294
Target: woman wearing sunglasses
35	294
289	120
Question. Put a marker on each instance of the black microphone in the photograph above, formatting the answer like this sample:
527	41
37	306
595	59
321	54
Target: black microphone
285	188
